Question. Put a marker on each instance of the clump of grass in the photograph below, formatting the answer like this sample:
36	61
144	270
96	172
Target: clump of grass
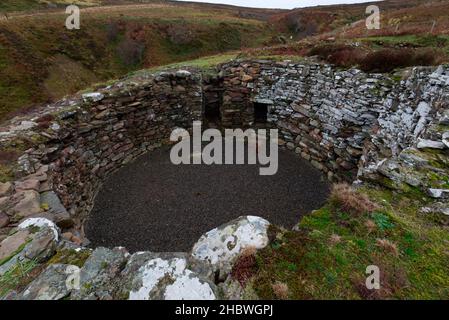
351	201
388	246
17	277
280	290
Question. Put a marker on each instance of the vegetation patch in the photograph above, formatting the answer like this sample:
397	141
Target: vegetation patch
327	257
18	277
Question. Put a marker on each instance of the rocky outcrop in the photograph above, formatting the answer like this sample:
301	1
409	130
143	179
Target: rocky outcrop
72	272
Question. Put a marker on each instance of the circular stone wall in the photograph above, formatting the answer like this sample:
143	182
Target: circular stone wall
154	205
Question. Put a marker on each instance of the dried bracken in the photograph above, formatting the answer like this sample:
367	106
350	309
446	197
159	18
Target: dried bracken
370	225
334	239
351	201
388	246
280	290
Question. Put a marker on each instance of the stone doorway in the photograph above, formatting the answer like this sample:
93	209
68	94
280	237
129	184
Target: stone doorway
212	112
260	112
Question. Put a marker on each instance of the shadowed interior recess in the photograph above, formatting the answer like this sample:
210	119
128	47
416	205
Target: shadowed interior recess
154	205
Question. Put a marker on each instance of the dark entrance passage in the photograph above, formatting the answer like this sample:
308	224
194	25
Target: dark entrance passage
212	112
260	112
152	204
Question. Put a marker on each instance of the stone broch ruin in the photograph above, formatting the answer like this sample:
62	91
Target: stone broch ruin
358	127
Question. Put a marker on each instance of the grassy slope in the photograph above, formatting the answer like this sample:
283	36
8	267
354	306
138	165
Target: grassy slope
28	5
324	19
41	60
328	256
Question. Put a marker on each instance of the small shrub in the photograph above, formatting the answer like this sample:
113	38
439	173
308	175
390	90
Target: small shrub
112	31
351	201
386	60
130	51
280	290
382	221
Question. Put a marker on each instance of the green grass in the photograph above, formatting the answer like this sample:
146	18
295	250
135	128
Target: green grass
316	266
19	5
17	277
203	63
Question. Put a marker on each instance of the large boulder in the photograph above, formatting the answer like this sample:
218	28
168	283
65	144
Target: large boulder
220	247
165	276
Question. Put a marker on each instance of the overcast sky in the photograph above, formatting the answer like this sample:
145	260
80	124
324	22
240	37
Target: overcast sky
284	4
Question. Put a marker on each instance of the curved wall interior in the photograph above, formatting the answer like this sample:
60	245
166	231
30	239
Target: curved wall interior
348	124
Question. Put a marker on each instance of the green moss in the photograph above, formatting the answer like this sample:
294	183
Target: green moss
70	256
6	173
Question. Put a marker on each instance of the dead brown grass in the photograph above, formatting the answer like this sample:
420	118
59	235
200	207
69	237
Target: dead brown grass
351	201
280	290
245	266
388	246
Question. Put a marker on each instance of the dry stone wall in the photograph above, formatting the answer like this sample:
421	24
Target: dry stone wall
349	124
80	141
342	121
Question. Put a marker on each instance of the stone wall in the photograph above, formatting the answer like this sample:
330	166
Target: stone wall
349	124
81	141
333	117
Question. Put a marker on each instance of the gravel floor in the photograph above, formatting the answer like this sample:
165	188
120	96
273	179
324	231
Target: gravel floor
154	205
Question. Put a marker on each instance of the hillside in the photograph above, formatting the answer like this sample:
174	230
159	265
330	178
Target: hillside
41	60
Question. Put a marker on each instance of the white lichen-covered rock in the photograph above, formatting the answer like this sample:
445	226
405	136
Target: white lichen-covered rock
151	276
445	139
439	193
93	96
183	73
220	247
41	223
424	144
